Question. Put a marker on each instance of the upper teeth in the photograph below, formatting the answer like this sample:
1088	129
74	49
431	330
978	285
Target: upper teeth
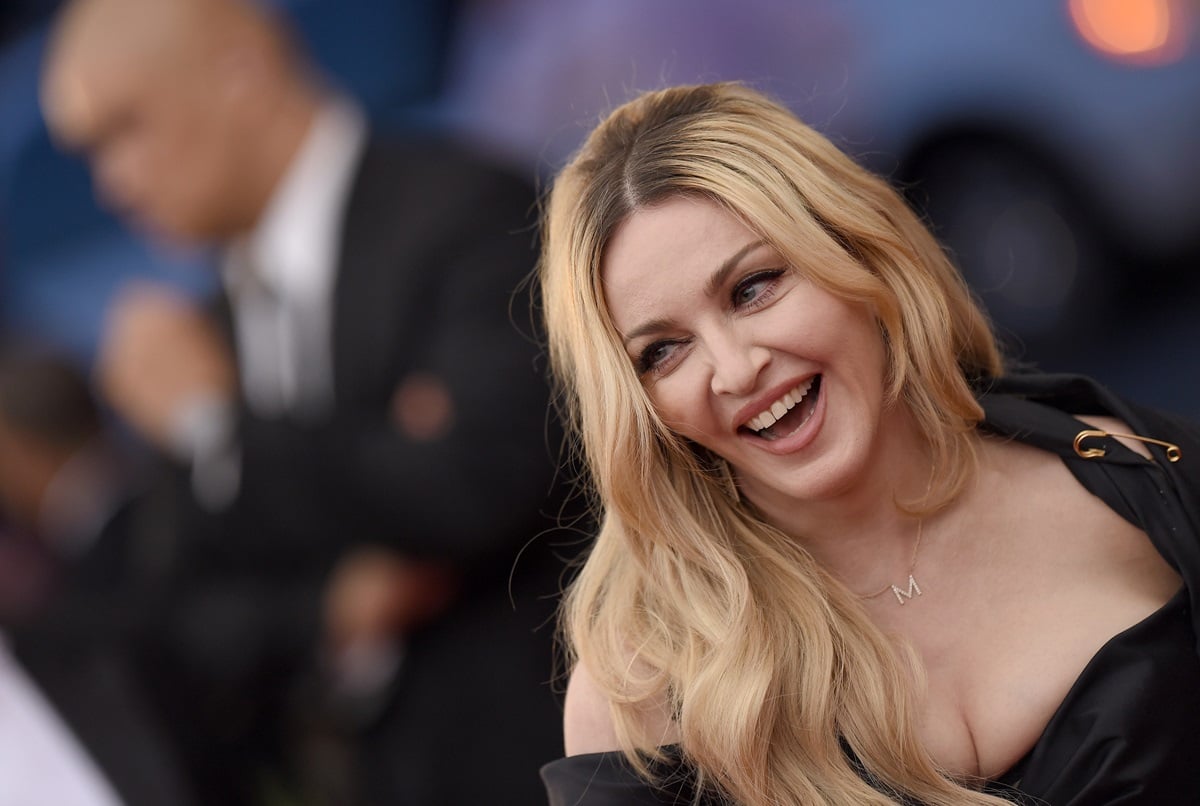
780	407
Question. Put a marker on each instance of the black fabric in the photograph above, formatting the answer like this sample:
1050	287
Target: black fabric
90	648
1127	731
606	779
434	244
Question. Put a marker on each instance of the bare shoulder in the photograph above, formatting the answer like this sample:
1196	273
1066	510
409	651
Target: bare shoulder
588	725
587	717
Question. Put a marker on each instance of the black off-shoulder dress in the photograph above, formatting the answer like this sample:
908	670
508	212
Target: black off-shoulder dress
1128	731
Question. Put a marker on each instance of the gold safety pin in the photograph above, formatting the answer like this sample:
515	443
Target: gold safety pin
1173	452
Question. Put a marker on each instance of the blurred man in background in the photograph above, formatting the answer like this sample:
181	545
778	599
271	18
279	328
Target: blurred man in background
361	424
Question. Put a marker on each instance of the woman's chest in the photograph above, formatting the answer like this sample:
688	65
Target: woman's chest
1015	621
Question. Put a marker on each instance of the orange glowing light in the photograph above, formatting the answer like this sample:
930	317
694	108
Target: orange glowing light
1143	31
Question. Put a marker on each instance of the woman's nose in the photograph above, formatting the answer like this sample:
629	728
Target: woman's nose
736	367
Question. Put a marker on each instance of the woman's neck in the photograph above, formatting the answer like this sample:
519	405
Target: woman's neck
861	534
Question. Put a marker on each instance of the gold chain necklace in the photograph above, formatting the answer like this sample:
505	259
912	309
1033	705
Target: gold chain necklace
913	588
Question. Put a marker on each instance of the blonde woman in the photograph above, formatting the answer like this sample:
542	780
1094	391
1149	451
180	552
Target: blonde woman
844	559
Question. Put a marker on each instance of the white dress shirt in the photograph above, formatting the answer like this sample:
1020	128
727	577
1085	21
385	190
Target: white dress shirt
280	282
280	278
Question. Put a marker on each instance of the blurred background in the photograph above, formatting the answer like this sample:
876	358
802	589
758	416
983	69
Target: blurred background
1054	144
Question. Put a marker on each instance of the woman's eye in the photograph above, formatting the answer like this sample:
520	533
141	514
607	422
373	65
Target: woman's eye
755	289
656	356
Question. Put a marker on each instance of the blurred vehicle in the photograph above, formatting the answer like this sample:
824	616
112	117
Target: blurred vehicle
1054	145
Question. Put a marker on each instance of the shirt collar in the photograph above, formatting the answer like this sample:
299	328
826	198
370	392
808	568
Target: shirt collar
294	247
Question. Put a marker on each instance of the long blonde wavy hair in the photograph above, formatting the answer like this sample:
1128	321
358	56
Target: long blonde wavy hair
770	667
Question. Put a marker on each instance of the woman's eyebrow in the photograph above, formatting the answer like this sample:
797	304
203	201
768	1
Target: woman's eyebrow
718	278
653	326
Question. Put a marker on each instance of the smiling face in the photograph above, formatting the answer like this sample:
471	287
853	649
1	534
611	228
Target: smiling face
741	354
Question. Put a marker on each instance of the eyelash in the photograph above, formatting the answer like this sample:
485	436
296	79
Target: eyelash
768	276
645	361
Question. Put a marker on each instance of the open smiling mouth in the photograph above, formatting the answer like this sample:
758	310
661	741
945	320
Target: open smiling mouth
788	414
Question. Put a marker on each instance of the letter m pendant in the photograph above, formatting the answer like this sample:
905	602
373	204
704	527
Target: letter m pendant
913	589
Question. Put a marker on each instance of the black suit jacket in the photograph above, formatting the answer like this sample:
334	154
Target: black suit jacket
434	246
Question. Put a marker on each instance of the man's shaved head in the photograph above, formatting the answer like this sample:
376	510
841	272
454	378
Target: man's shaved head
106	39
185	108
